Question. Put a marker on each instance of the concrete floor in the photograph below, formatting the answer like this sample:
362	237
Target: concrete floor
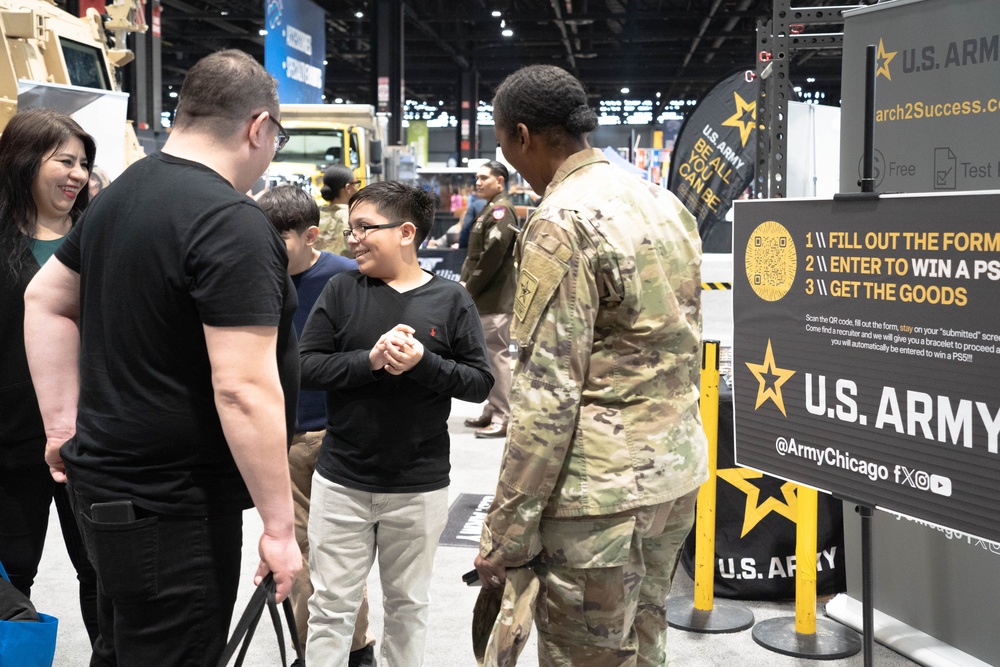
474	469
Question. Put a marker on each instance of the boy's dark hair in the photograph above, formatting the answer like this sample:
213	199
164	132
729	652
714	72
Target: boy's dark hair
499	169
547	99
399	201
289	209
334	180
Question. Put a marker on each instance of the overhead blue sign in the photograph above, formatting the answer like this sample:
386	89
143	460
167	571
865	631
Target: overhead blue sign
295	48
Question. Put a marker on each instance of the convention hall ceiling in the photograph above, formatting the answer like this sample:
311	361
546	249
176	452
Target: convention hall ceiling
677	48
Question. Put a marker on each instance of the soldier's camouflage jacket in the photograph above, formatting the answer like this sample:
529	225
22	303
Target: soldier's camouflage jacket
607	316
332	223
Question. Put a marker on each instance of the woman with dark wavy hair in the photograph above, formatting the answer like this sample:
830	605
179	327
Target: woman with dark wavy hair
45	160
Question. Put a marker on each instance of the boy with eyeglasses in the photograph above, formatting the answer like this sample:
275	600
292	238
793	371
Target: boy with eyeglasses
392	345
294	215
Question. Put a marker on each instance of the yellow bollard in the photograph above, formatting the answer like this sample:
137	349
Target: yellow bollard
702	613
704	545
805	561
798	636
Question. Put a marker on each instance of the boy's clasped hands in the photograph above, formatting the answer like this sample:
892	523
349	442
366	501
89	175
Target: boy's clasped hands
396	351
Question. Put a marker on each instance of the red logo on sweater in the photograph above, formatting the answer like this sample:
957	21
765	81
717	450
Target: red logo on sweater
433	332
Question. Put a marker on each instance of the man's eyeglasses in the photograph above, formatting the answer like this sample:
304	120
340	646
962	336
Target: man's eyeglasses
361	231
282	138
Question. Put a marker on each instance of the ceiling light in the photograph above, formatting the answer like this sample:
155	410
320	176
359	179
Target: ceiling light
624	91
172	93
224	13
507	32
262	32
811	79
339	100
326	62
497	14
359	15
658	96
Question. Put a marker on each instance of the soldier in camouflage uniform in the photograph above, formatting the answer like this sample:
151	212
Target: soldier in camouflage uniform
488	274
339	185
605	450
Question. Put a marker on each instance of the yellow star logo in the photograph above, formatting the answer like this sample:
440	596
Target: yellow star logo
884	59
754	513
736	120
779	377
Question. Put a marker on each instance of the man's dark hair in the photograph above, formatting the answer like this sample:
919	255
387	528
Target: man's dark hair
222	91
499	169
289	209
399	201
334	180
547	99
31	137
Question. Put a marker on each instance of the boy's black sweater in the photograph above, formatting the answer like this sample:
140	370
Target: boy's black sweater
387	433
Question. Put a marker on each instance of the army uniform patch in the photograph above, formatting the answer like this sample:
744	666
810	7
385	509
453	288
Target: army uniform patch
526	288
542	271
499	212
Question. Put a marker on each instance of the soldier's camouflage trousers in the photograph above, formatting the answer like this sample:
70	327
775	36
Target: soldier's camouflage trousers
604	584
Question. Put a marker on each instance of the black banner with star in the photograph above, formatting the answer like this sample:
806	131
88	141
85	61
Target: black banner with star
755	520
713	158
866	351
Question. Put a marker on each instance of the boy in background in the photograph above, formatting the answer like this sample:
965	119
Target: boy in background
296	217
392	345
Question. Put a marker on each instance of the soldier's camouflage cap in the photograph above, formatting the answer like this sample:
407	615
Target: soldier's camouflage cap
501	619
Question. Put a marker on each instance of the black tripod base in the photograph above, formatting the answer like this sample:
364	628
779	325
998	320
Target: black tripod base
832	641
725	616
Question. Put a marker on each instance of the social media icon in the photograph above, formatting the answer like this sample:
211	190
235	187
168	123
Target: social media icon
940	485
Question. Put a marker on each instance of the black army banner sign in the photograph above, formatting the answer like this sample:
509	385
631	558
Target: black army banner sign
867	351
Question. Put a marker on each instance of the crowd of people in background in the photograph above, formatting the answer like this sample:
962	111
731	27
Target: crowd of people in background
169	363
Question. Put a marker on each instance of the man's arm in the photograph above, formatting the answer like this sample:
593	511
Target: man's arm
250	403
52	343
471	213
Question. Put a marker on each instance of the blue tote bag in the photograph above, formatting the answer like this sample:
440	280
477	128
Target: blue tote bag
28	643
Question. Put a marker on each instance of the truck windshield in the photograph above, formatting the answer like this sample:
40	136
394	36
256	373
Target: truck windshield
313	146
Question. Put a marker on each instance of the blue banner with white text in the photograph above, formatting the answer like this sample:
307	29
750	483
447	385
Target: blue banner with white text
295	48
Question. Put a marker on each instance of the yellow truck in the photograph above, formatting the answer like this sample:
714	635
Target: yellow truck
51	58
322	135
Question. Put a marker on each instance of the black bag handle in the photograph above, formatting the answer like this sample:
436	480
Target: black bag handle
244	631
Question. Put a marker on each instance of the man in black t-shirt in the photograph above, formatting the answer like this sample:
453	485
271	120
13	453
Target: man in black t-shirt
161	348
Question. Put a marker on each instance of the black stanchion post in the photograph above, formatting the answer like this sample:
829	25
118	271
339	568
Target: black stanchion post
830	640
867	585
